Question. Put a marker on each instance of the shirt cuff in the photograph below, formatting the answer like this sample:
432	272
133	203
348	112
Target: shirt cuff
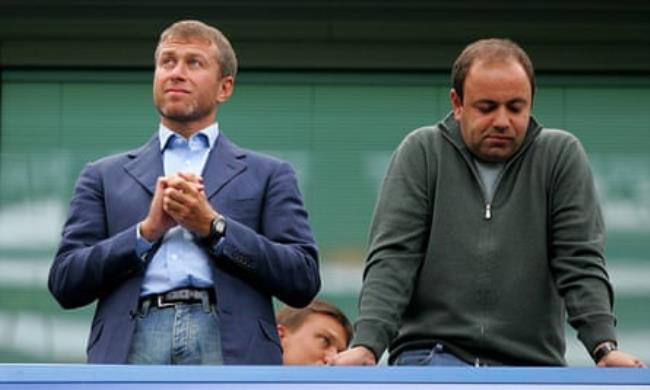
142	246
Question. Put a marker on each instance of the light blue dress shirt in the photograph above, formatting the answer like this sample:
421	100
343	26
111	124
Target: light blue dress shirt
179	262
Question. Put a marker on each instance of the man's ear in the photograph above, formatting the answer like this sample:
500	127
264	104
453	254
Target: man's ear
456	104
226	87
281	331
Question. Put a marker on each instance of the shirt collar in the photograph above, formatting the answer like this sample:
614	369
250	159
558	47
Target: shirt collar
210	134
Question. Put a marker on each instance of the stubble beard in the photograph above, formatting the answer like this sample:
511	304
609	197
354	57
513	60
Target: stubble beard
189	113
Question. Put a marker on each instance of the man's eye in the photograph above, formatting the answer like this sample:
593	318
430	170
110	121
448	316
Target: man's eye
486	108
167	61
326	341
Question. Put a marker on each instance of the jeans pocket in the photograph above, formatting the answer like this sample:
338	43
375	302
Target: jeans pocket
420	357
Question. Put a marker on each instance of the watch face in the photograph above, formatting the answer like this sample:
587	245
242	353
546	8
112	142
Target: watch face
220	225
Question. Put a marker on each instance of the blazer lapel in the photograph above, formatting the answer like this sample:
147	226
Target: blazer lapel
145	164
224	163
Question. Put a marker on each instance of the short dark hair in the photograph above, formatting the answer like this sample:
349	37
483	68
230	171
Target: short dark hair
186	29
492	49
293	318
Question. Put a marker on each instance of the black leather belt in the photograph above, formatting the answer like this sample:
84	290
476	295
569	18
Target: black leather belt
180	296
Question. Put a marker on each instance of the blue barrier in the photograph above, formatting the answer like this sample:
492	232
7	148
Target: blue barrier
60	376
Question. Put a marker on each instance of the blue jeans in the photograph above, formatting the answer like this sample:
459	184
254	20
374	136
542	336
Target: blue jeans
181	334
435	356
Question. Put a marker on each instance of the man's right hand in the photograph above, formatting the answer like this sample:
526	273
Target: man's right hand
356	356
157	222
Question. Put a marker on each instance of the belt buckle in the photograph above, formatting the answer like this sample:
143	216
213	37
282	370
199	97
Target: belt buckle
161	304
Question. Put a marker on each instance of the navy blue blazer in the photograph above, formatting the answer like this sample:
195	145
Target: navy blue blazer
269	250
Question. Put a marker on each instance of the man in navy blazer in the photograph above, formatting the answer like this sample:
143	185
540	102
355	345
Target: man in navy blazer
184	241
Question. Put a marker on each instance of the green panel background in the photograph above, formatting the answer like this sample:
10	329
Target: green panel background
338	129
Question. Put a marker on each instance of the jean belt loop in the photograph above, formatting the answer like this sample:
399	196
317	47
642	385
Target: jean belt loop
144	308
479	363
205	301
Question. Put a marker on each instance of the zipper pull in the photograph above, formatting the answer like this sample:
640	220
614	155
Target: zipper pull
488	211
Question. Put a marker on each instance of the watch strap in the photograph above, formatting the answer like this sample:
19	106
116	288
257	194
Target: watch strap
603	349
217	231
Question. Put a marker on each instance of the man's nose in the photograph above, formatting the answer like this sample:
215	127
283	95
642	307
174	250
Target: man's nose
179	71
330	354
501	119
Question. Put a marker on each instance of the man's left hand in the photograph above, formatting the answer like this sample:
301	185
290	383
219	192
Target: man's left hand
620	359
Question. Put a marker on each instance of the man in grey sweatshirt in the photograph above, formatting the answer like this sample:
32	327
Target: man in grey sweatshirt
487	230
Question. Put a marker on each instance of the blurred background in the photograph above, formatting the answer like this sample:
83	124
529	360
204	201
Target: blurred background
333	87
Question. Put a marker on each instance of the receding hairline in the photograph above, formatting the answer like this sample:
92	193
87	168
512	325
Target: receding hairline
185	40
488	61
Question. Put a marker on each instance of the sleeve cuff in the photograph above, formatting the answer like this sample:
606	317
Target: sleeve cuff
142	246
371	337
592	335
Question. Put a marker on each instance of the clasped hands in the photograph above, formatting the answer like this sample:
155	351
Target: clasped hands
178	199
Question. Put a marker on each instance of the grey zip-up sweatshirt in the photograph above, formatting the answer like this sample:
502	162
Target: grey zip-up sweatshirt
488	279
